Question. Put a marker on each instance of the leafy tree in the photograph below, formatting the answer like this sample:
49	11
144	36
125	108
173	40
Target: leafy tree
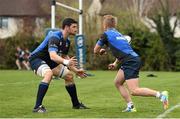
166	33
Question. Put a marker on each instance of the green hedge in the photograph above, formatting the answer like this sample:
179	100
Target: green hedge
8	49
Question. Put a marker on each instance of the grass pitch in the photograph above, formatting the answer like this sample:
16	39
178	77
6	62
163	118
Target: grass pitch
18	93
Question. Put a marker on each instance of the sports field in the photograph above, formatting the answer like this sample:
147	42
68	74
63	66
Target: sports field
18	93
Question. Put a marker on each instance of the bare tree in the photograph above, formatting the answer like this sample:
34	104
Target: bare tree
92	16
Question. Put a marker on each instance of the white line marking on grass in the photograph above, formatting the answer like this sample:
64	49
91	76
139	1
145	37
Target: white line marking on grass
168	111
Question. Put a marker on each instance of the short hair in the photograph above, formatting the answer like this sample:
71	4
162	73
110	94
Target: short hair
68	22
110	21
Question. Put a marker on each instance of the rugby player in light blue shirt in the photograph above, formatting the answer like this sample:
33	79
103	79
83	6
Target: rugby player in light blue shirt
130	65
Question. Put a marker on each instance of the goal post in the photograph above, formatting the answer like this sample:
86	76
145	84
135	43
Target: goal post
80	11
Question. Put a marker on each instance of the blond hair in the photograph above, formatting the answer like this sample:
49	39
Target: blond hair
109	21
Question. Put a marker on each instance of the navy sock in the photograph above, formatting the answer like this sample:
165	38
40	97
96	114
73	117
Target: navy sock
71	89
43	87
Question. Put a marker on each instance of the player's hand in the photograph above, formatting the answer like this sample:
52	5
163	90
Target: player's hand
72	62
112	66
102	51
81	73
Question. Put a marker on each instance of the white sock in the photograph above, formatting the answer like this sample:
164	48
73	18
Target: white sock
129	104
158	94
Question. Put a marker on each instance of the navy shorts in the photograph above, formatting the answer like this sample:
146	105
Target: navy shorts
37	62
131	68
21	59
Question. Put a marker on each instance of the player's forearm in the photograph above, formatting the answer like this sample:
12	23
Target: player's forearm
58	59
97	49
66	57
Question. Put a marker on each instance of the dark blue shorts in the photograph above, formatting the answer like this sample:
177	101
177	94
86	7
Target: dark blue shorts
21	59
131	68
37	62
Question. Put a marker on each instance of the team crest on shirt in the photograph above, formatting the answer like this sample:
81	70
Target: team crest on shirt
60	43
67	44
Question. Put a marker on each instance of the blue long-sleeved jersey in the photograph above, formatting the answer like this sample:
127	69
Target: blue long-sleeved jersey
117	43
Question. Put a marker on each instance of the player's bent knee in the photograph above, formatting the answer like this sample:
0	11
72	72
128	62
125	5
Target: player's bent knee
68	77
48	76
48	73
117	83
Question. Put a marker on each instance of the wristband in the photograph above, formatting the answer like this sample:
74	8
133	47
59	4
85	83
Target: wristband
66	62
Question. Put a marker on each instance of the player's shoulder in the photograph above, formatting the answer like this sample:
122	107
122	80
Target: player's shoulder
103	35
55	34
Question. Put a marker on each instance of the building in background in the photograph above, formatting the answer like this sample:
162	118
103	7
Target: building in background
27	16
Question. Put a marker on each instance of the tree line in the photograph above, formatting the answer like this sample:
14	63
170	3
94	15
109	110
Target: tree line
159	50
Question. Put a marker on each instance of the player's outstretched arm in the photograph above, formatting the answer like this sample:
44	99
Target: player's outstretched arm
58	59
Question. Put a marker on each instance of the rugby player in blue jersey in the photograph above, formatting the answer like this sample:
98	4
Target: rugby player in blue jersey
130	65
51	58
